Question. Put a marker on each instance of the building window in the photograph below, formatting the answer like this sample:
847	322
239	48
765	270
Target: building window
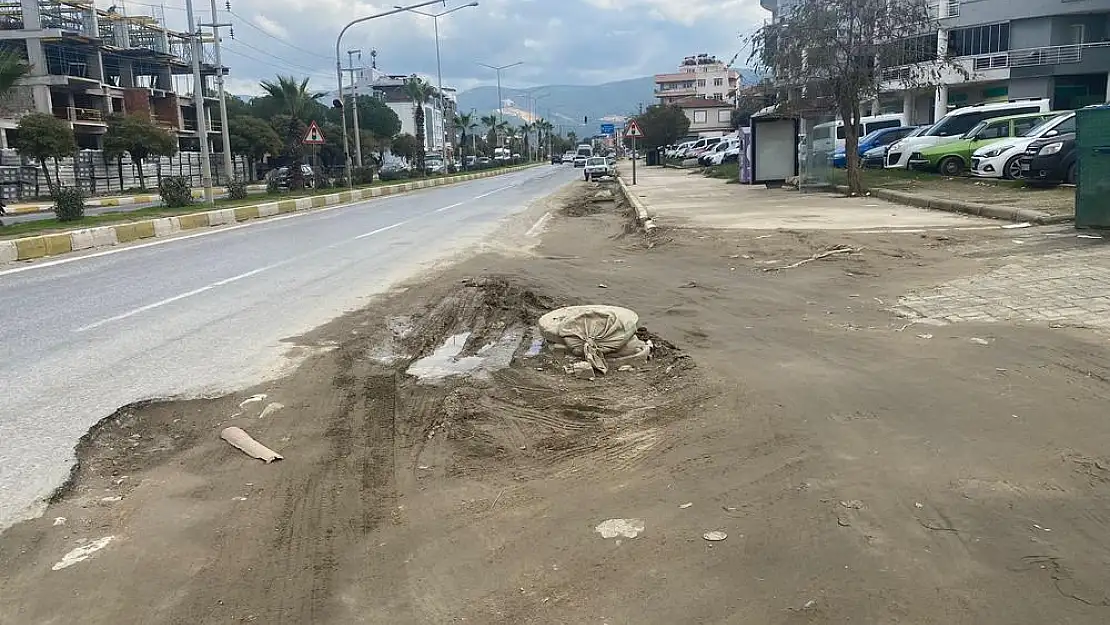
701	82
718	96
717	82
979	40
701	117
724	116
911	50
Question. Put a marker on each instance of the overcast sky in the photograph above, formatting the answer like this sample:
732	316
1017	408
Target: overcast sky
560	41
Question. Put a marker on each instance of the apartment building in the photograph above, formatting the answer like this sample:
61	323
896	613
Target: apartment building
701	76
89	63
709	117
1056	49
391	89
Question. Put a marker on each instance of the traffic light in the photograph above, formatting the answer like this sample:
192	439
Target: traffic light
585	119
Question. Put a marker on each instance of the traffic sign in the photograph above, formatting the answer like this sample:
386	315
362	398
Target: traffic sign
313	136
608	129
633	131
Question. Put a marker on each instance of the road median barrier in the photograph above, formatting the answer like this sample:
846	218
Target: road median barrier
642	214
56	243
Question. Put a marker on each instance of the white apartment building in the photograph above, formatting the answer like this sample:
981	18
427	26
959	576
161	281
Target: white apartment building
701	76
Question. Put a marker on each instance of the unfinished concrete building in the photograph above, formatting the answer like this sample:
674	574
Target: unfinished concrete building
88	63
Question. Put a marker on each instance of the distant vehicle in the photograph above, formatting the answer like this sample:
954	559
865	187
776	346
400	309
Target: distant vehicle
579	161
585	149
282	176
953	158
1003	159
1050	161
956	123
484	160
830	136
876	138
678	150
715	155
556	159
471	160
876	156
700	147
434	165
597	167
568	157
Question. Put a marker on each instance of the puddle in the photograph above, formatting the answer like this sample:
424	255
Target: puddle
446	362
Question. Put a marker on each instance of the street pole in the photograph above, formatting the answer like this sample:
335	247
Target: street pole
339	69
439	68
198	104
500	102
633	159
229	167
354	103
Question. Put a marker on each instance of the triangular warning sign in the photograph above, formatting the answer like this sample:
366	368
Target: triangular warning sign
313	136
633	130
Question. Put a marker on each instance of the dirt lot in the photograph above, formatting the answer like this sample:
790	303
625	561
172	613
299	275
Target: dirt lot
865	470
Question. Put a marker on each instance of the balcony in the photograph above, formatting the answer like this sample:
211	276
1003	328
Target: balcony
77	115
675	93
1032	57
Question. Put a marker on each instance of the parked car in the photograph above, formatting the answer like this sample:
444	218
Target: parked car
484	161
579	160
282	176
958	122
876	156
679	150
830	136
394	170
717	154
434	165
568	157
700	147
1050	161
556	159
876	138
1003	159
597	167
953	158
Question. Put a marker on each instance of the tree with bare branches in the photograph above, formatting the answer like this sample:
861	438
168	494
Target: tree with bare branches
845	52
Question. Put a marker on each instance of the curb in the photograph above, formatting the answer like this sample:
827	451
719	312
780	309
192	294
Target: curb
642	214
1005	213
118	201
29	248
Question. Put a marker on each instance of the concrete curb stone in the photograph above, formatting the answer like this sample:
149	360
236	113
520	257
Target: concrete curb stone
1005	213
642	214
27	248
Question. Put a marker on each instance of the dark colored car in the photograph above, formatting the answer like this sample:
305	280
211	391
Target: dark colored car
1050	161
556	159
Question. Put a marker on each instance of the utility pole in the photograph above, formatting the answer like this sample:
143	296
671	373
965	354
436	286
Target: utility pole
229	166
198	104
500	102
354	101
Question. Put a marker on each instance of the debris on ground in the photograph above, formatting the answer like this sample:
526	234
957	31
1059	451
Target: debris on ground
270	409
82	553
252	400
714	536
620	528
835	250
594	333
979	341
242	441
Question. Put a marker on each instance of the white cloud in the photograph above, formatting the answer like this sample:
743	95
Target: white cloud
271	26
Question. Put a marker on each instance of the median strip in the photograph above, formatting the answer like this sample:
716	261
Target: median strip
29	248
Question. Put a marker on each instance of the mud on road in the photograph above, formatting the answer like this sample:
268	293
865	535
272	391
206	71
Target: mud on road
439	469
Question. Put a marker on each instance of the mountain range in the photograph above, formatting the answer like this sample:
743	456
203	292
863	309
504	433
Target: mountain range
567	106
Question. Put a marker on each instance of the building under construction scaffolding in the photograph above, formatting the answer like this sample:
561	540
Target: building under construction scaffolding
88	63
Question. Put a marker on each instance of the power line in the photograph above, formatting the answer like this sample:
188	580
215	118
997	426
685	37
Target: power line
288	66
278	39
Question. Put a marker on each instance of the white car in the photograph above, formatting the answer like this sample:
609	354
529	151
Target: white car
1001	160
956	123
579	161
680	149
597	167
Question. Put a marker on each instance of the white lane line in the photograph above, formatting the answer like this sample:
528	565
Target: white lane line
447	208
380	230
179	297
478	197
538	226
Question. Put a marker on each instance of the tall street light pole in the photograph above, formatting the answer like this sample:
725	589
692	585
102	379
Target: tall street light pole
500	102
198	104
354	102
339	69
229	167
439	65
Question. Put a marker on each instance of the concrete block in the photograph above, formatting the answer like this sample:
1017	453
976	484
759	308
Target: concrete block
80	240
245	213
30	247
109	201
345	197
221	217
268	210
144	229
192	221
332	199
304	203
104	236
58	244
8	253
166	226
318	201
287	206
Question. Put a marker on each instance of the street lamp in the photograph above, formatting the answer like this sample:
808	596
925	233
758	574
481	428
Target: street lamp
439	66
500	105
339	71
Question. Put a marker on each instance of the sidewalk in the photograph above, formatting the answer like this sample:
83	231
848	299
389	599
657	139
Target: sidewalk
24	208
678	199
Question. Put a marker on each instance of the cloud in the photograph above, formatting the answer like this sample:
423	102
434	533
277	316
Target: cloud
559	41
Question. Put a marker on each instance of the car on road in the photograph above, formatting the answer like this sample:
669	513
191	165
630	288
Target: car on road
874	139
434	165
953	158
956	123
580	160
556	159
1003	159
1050	161
282	176
596	167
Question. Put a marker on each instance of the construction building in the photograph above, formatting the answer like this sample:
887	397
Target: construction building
89	63
702	76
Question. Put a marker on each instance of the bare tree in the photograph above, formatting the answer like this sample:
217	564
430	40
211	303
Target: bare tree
847	52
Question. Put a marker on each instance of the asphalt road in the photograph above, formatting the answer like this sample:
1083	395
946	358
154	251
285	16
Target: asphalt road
206	313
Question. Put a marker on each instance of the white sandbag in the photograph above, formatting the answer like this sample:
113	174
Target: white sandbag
591	331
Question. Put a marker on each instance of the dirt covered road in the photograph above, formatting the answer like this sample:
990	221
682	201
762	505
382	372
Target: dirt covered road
864	467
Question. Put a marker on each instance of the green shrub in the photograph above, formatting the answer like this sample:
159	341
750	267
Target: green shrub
362	175
175	191
393	174
273	185
237	190
321	181
69	204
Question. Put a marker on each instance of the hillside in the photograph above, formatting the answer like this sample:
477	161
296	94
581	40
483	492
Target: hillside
568	104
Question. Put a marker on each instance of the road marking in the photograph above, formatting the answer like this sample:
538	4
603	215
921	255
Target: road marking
445	208
178	298
380	230
478	197
538	226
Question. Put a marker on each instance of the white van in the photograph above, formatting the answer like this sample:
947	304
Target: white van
956	123
829	137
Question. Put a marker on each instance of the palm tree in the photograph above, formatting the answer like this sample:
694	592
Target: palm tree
420	91
295	100
490	122
467	123
527	128
545	127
